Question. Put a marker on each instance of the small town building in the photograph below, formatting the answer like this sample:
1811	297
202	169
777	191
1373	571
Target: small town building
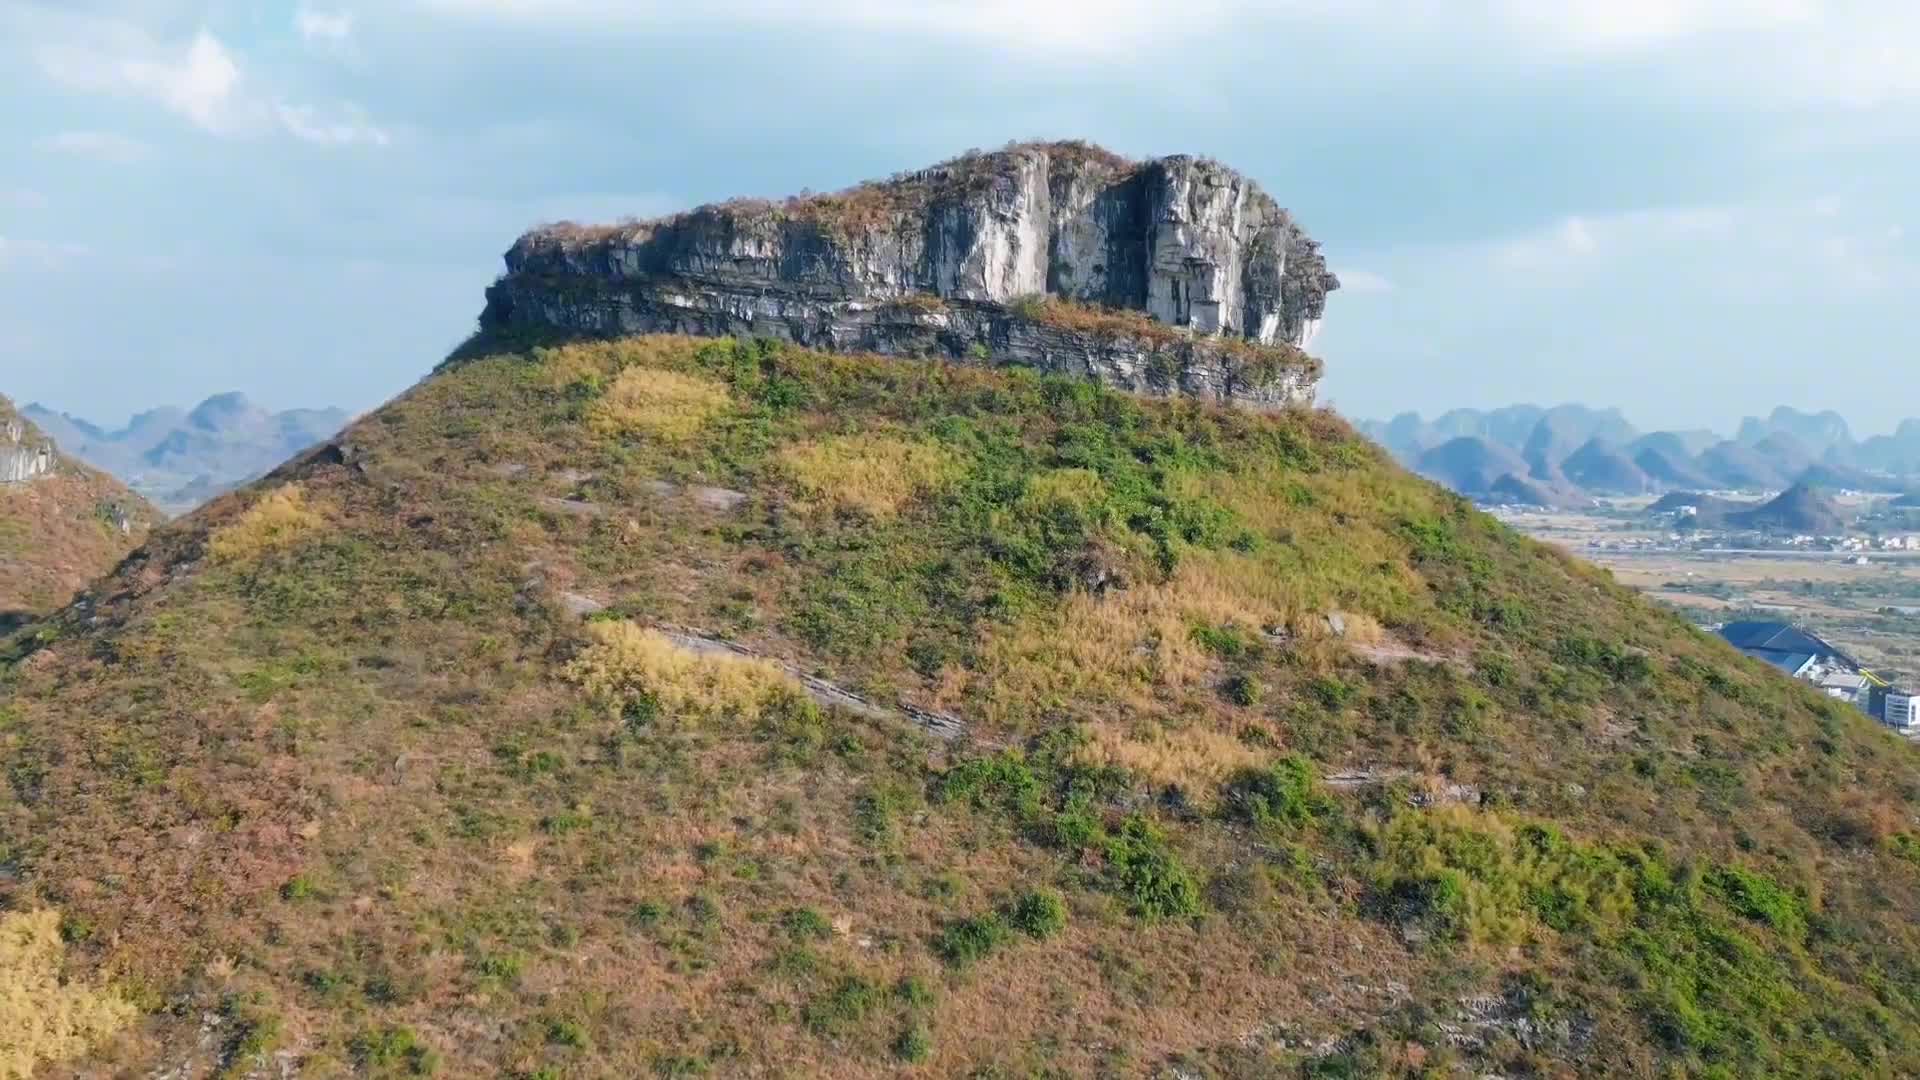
1903	711
1800	654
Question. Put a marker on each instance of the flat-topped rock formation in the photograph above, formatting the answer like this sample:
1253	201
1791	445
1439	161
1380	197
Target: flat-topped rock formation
1176	275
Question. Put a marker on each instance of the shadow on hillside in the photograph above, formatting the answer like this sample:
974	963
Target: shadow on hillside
13	620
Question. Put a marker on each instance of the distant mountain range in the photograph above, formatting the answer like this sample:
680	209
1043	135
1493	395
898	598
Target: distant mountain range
180	458
1568	454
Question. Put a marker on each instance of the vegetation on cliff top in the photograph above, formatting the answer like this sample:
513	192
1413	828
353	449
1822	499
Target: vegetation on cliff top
338	761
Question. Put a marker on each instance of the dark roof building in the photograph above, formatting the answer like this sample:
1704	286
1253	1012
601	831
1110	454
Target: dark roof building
1786	647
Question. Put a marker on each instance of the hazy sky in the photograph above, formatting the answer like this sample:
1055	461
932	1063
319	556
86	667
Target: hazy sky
1693	209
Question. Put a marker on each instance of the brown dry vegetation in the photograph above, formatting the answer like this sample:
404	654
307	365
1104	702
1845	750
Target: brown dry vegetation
374	800
58	532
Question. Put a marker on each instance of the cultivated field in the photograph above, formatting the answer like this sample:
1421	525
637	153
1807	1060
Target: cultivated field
1871	609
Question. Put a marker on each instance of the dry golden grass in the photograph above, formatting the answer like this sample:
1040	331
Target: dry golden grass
878	474
626	663
665	405
1195	760
1078	488
277	521
43	1018
1126	645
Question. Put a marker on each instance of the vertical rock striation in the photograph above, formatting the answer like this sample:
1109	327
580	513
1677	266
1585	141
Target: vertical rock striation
23	456
1176	275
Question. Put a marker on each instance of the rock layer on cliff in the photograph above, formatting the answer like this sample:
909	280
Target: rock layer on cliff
1171	275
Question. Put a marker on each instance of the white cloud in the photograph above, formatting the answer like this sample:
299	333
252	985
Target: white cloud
1076	25
343	126
100	145
1628	24
40	255
199	80
1847	51
1580	238
1363	281
323	26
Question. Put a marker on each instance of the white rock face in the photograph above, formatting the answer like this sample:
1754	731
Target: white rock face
940	261
22	459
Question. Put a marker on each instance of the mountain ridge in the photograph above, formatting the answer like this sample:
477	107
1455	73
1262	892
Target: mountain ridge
1767	454
177	458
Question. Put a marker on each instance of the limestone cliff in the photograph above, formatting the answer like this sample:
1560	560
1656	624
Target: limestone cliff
61	523
1172	275
23	456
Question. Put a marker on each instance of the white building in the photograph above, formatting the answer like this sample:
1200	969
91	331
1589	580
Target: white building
1850	687
1903	711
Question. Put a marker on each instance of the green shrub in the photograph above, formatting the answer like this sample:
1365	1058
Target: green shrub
806	924
505	967
1244	690
1226	642
1285	794
843	1008
1144	870
1041	914
394	1049
915	991
970	940
566	1031
915	1044
1758	897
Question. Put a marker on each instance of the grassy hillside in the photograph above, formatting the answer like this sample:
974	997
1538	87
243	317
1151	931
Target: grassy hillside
60	531
423	756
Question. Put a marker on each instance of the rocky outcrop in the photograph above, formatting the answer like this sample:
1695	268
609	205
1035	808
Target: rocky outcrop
24	455
1173	275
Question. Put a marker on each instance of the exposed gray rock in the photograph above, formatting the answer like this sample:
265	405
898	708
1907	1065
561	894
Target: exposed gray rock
717	498
942	725
22	458
953	261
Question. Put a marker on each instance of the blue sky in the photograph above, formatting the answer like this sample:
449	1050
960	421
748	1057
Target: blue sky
1692	209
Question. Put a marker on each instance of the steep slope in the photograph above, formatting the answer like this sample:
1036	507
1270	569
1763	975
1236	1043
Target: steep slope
1733	465
435	750
1834	477
1470	465
1554	440
61	523
1801	508
1818	432
1787	454
1670	472
1602	466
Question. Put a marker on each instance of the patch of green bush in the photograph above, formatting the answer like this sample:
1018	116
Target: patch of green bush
843	1008
966	942
1143	869
1286	794
1040	914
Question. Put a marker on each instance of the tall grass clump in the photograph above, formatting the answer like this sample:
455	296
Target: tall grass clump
664	405
631	670
876	474
44	1018
277	521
